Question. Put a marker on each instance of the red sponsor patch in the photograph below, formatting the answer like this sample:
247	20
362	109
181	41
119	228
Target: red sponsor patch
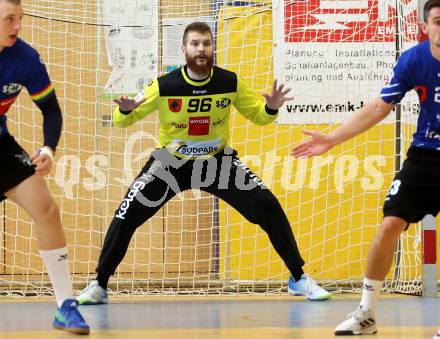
421	92
5	104
346	21
175	105
199	125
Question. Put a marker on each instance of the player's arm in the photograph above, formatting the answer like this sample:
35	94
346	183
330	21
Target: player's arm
130	110
43	95
255	109
364	118
52	121
52	124
359	122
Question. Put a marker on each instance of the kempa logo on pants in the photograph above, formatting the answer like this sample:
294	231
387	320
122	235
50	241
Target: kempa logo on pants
125	204
252	176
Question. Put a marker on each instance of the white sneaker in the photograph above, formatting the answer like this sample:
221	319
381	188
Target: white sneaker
437	336
93	294
357	323
308	287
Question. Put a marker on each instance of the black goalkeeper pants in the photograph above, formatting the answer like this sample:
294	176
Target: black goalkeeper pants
222	175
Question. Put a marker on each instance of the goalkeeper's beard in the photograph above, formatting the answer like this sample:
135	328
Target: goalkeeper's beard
205	69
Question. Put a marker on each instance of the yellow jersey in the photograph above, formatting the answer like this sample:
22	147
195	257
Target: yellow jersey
194	115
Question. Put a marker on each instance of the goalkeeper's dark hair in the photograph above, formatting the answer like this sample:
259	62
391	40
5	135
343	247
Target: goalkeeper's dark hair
200	27
430	4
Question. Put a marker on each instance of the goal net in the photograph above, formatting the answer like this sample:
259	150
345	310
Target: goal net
197	244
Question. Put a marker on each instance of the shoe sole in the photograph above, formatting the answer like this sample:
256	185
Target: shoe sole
73	330
321	299
89	303
291	292
338	333
363	332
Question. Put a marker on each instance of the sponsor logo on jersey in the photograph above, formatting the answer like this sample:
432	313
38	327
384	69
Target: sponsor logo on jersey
199	125
194	148
200	91
5	104
175	105
219	122
432	134
421	92
11	88
223	103
178	125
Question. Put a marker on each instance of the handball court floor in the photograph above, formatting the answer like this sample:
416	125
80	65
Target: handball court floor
232	317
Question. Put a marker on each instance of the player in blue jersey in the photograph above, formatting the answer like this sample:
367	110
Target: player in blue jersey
413	192
22	175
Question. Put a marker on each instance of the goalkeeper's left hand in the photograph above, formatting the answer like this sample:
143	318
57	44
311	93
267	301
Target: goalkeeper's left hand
278	97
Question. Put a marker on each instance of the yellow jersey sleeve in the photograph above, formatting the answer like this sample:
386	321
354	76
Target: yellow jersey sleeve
249	105
151	93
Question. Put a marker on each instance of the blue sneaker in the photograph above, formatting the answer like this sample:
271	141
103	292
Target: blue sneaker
68	318
309	288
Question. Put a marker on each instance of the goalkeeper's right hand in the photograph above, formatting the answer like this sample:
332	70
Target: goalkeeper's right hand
127	104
